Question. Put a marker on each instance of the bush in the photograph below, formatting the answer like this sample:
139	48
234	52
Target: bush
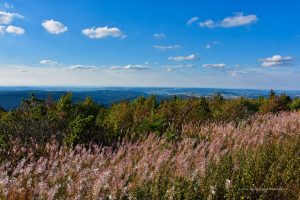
79	128
295	105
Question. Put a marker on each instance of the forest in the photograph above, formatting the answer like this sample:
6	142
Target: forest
195	148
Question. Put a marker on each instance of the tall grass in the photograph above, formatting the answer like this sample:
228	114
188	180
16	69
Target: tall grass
256	159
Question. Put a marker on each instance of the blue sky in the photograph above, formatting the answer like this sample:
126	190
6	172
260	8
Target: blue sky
203	43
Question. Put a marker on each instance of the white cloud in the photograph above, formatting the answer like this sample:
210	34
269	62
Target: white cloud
7	17
240	72
184	58
170	68
103	32
14	30
49	62
82	67
239	19
54	27
192	20
220	65
208	23
159	36
168	47
276	60
73	67
8	5
130	67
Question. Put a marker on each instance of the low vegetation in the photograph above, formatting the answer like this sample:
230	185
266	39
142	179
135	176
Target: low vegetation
199	148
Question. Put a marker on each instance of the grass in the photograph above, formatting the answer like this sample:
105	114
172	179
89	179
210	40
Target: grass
256	159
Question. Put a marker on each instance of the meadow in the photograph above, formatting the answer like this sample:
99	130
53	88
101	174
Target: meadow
200	148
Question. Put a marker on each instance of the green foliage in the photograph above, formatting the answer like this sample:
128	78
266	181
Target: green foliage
155	124
238	109
268	172
2	112
171	135
120	118
65	103
79	130
203	111
154	168
88	122
273	166
295	105
274	103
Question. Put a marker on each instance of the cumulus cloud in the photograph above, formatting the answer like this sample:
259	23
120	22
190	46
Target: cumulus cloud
82	67
276	60
239	19
184	58
54	27
13	30
192	20
168	47
208	23
220	65
130	67
7	17
49	62
159	36
103	32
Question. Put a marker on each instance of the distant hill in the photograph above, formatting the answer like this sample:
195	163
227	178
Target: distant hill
10	97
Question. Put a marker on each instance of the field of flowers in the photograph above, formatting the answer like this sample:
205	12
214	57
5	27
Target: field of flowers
257	159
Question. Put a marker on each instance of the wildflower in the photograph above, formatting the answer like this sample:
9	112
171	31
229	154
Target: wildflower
228	184
213	190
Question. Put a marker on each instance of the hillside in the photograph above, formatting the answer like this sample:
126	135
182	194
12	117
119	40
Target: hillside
195	148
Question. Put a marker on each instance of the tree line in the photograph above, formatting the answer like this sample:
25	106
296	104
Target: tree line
86	122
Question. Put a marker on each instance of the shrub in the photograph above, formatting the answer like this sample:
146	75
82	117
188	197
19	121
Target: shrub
295	105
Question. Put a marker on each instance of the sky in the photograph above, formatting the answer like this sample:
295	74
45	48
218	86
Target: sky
150	43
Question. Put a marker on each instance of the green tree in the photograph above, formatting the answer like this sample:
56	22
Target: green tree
120	118
79	130
295	105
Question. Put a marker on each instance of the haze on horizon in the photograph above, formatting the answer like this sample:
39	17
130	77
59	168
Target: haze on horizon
207	43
